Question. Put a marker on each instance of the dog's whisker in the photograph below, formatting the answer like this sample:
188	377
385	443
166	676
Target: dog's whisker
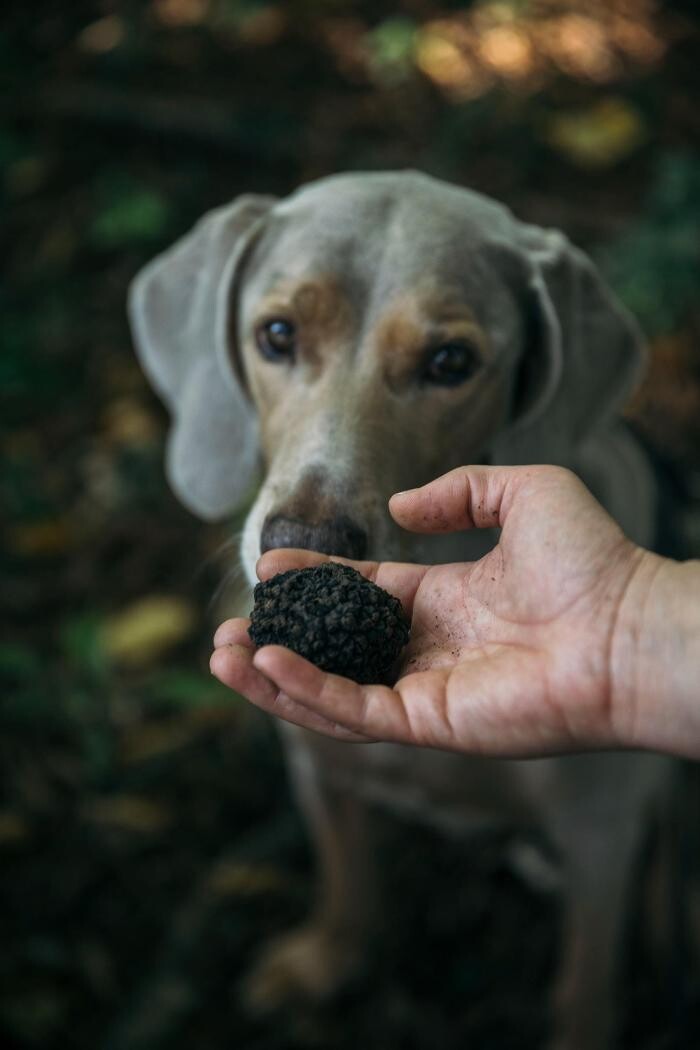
224	550
233	579
222	554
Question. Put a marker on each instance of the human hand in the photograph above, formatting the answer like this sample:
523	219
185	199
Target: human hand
512	655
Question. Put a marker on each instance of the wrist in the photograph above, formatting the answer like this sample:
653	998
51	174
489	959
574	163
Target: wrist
655	658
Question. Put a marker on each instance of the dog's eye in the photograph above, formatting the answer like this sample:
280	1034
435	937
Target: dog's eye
451	364
276	340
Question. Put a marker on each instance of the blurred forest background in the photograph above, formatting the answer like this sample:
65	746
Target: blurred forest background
147	838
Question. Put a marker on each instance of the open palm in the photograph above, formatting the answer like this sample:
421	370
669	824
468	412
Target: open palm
509	655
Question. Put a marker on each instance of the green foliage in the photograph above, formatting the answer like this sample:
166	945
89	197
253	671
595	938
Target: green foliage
234	12
10	148
17	661
129	213
392	45
177	688
655	265
81	646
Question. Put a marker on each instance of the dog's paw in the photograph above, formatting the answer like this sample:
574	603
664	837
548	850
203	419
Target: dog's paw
311	963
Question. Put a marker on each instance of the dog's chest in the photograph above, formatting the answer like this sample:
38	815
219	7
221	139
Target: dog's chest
461	794
445	790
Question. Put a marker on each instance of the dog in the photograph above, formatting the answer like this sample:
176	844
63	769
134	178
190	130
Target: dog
362	336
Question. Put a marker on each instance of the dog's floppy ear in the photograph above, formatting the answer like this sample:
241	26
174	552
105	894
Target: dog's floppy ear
584	357
179	309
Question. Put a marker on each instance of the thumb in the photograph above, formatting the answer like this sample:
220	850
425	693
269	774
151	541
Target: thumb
464	498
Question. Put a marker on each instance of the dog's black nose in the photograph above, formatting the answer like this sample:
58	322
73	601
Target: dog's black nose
339	535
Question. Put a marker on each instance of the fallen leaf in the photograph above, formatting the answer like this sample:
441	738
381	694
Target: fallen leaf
177	13
129	424
40	538
238	879
141	633
128	813
13	828
102	36
158	738
597	137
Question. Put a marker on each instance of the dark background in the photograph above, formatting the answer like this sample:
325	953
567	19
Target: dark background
147	838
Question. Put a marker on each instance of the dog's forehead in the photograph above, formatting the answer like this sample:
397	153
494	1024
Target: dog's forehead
404	196
389	229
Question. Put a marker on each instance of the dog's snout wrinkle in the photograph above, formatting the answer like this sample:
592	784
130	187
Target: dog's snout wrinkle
339	535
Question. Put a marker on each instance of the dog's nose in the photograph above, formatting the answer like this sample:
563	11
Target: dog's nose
338	535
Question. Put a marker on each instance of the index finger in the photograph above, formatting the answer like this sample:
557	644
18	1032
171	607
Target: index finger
339	701
474	497
464	498
401	715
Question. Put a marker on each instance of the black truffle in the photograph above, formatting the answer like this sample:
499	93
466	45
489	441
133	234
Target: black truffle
334	617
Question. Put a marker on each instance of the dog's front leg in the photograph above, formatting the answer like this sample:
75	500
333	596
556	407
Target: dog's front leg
318	958
597	871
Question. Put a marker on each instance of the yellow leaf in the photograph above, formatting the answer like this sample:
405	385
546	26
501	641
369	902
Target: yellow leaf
128	813
142	632
40	538
597	137
128	423
181	12
160	737
245	880
102	36
13	828
151	739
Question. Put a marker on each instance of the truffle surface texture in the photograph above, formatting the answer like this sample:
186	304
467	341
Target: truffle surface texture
331	615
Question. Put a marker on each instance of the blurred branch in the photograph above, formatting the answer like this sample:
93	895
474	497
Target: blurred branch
175	118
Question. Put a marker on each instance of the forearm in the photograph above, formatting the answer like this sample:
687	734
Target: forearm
655	659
